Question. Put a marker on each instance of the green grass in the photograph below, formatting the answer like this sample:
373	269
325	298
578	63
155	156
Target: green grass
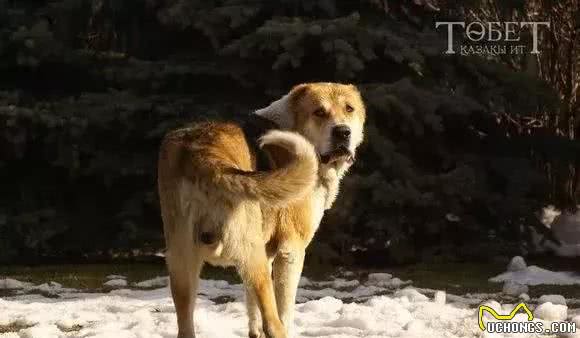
82	276
455	278
92	276
462	278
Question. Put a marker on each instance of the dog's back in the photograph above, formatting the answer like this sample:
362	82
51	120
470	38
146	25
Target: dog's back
207	177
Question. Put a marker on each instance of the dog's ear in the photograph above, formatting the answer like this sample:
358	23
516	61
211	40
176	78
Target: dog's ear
298	91
278	112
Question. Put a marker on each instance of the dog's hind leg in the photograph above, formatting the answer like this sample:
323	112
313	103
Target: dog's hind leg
254	316
184	277
256	275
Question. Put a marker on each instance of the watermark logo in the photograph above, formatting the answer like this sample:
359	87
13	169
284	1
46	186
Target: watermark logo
506	323
492	38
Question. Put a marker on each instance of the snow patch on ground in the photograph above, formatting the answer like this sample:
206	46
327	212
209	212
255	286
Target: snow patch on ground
336	308
514	289
150	314
115	283
552	312
115	277
520	274
566	228
534	275
517	264
11	284
157	282
554	299
549	214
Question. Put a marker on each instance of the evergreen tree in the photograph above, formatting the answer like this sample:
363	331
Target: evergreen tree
90	86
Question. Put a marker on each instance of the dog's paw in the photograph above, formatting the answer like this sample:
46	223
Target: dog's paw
275	331
257	334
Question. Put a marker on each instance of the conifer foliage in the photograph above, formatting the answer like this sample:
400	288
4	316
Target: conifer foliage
88	87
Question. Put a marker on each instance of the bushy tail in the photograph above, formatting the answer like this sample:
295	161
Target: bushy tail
279	186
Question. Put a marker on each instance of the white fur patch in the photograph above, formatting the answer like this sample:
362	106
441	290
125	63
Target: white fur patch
318	206
357	135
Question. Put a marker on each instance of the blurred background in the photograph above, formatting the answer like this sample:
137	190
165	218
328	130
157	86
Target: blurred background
466	158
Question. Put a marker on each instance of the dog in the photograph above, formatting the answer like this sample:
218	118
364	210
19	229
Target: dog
220	207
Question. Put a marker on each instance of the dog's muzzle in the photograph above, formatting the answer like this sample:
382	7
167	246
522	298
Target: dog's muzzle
341	136
340	152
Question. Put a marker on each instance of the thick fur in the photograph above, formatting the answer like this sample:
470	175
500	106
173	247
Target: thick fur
218	208
276	187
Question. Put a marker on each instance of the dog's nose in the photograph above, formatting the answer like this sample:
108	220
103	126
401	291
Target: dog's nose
341	133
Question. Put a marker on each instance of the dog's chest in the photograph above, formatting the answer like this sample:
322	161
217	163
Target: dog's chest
299	220
317	206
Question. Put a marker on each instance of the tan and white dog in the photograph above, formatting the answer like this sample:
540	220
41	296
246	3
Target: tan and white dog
217	207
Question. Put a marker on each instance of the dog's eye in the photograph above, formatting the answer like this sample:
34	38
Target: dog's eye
349	108
320	112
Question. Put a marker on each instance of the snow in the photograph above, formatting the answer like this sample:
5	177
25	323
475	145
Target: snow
534	275
9	283
150	313
336	308
549	311
116	283
554	299
514	288
115	277
379	277
153	283
412	295
517	264
385	280
50	287
566	228
549	214
339	283
496	306
440	297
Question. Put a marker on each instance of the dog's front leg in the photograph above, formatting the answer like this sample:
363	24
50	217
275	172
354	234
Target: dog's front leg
254	316
287	269
256	275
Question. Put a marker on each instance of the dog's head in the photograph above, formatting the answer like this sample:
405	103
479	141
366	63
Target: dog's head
330	115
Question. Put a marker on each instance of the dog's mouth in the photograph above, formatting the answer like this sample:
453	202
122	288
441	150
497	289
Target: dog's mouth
338	154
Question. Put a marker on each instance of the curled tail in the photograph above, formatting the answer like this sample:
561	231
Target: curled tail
289	182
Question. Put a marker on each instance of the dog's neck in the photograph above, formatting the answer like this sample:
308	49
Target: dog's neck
329	178
329	175
278	112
